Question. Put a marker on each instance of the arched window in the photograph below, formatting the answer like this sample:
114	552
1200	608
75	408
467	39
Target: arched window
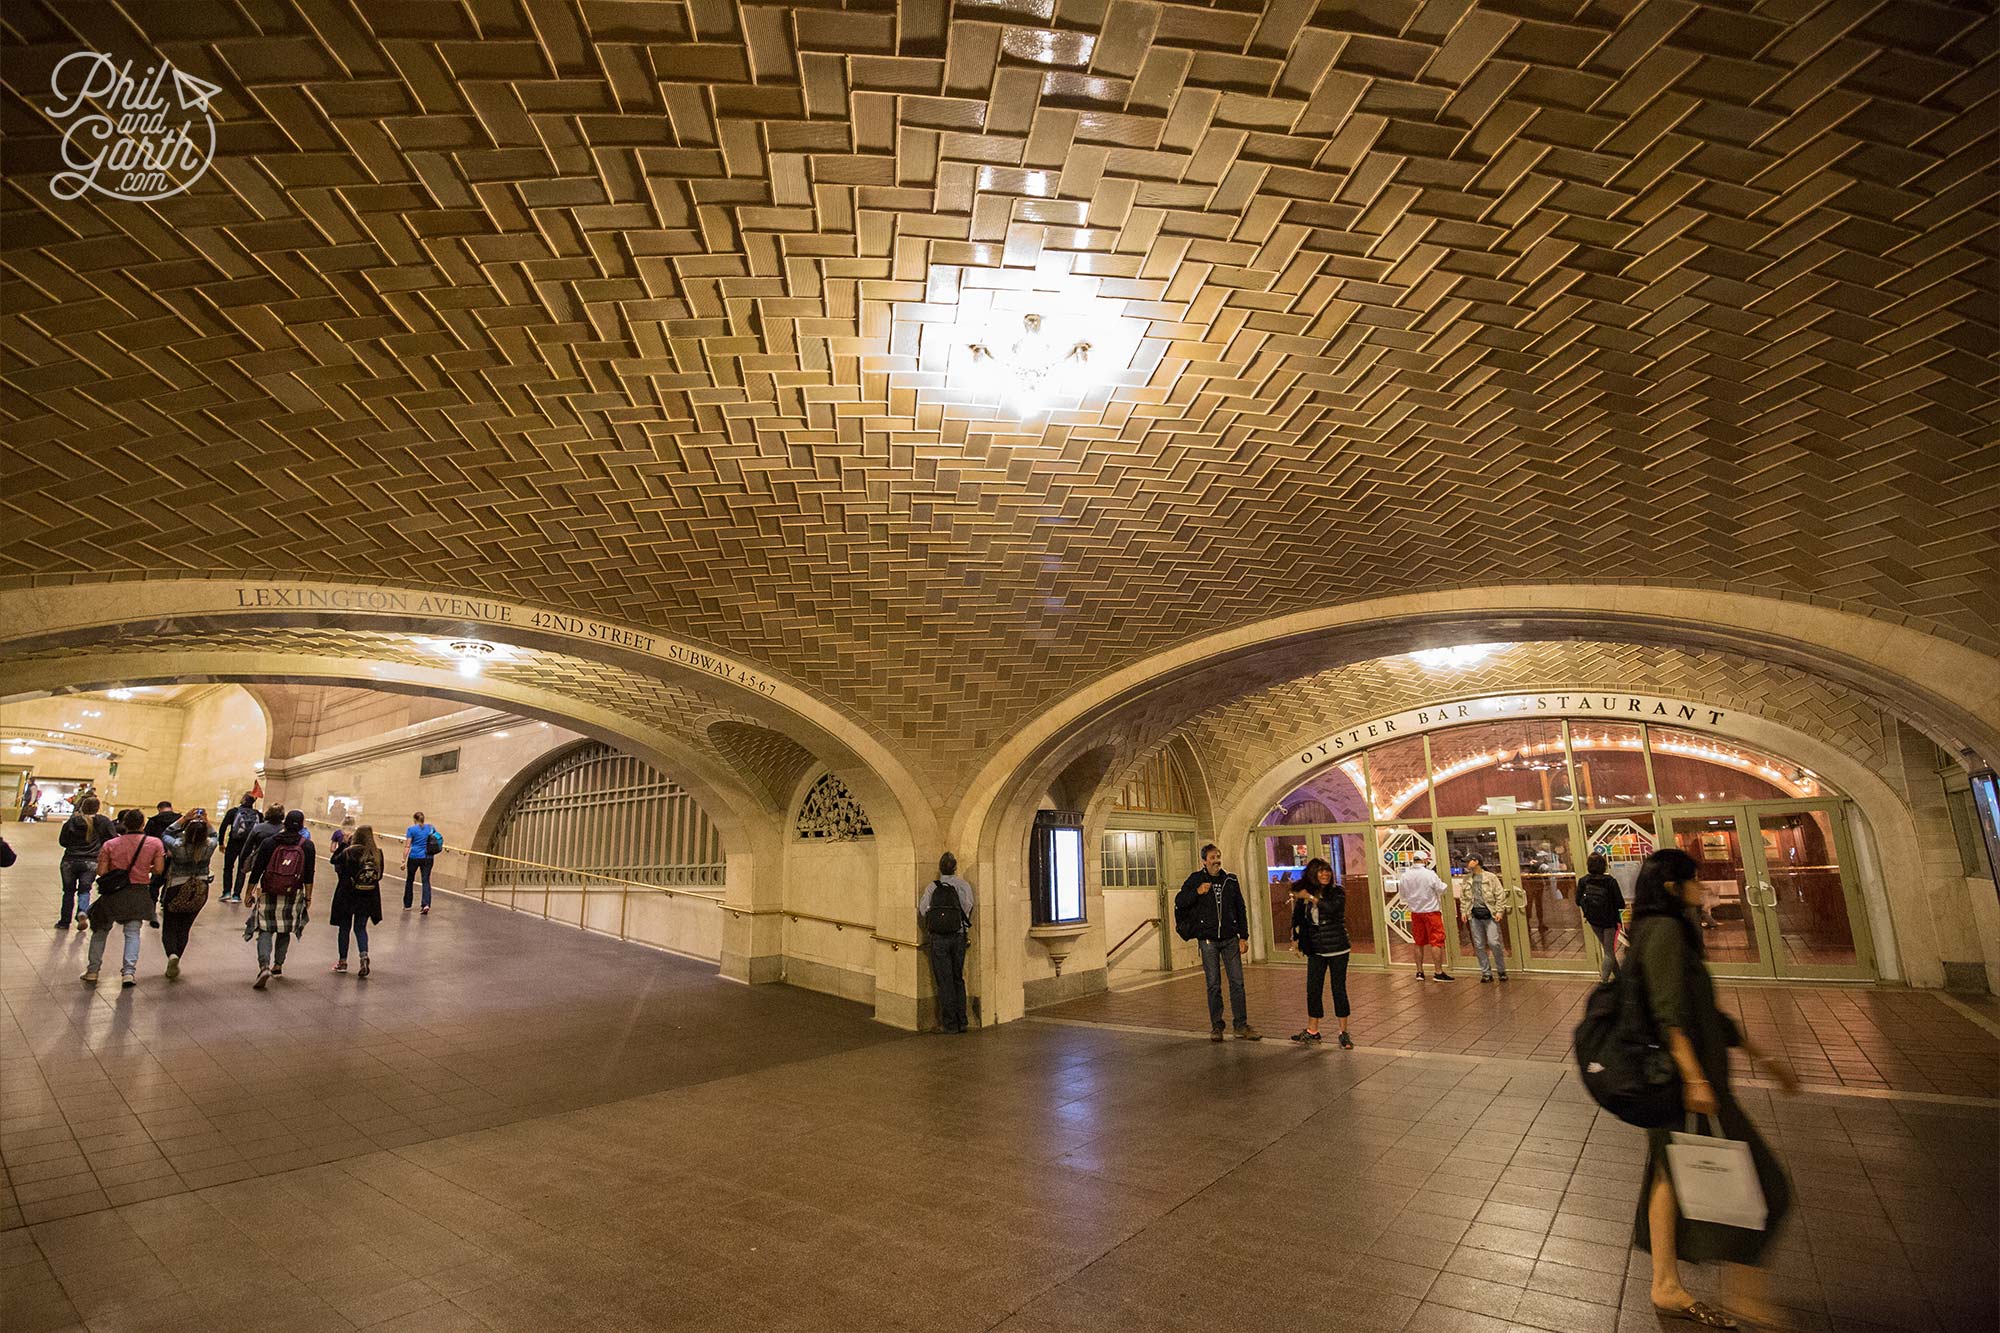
830	813
597	810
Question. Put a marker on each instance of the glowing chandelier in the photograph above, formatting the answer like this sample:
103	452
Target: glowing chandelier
1032	367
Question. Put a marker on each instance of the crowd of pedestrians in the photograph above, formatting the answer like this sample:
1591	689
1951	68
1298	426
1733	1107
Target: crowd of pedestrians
159	870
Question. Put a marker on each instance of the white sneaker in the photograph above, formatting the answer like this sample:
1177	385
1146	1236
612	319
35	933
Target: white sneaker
173	966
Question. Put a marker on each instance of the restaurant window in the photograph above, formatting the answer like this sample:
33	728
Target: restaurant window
1692	768
1610	763
1498	768
1399	780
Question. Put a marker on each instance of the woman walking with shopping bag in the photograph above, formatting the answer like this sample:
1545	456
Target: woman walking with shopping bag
1666	953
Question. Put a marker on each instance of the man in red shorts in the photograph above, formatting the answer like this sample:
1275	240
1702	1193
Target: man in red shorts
1423	893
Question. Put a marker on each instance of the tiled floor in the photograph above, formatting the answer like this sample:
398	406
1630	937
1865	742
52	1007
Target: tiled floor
796	1168
1835	1036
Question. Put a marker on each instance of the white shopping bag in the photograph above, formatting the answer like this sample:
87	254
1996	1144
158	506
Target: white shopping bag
1715	1180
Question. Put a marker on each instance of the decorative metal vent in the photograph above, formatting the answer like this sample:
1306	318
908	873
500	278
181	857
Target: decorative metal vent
594	809
830	812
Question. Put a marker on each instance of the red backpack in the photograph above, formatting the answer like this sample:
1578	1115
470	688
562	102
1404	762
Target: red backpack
286	870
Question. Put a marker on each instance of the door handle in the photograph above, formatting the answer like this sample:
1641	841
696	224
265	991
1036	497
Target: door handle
1767	896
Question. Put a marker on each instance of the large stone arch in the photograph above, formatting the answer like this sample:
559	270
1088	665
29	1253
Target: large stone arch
752	828
1900	916
1952	692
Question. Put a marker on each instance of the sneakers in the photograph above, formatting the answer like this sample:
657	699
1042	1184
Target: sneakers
1422	977
1244	1032
277	969
1485	980
263	979
127	980
1346	1042
1305	1035
90	979
1445	976
62	925
1214	1033
82	925
340	966
425	912
364	964
173	966
1503	976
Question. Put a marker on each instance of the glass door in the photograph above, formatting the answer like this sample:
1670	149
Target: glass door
1730	919
1551	930
1464	844
1777	900
1286	852
1809	910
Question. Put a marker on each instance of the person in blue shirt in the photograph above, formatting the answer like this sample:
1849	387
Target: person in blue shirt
425	844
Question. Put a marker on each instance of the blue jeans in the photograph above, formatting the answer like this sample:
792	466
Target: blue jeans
360	926
1486	943
98	938
269	954
1216	958
77	877
410	869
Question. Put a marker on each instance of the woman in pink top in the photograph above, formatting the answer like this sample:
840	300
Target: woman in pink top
125	869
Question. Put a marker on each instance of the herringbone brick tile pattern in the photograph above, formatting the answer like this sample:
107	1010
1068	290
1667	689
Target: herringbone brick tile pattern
1239	740
771	763
653	311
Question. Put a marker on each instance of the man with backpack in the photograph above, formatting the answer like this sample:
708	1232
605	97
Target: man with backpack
281	879
82	836
425	845
234	838
944	915
1209	909
1602	902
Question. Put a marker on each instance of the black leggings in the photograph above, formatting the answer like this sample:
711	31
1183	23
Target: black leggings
1333	969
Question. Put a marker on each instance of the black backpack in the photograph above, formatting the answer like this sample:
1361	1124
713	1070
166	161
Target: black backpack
945	915
1624	1065
1593	899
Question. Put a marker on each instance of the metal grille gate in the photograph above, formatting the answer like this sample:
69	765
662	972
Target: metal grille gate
596	811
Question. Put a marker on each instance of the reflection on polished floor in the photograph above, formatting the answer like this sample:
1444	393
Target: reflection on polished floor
1857	1037
521	1127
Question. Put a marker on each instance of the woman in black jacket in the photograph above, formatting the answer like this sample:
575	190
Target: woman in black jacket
1666	948
1319	932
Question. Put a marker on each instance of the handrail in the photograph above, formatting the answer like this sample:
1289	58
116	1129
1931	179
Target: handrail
800	916
627	884
1151	922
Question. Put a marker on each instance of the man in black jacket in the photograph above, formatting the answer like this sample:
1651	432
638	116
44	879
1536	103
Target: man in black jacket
1209	910
234	835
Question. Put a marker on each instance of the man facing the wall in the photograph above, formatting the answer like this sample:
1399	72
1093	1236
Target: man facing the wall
944	915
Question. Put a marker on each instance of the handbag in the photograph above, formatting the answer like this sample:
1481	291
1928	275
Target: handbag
190	895
1715	1180
1481	912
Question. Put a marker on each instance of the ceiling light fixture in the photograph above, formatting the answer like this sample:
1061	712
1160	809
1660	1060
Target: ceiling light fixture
1031	366
471	655
120	694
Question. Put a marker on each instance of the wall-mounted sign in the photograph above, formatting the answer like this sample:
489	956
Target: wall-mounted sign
1577	703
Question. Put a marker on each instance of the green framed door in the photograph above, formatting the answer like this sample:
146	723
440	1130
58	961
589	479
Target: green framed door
1811	914
1459	841
1350	850
1545	854
1735	931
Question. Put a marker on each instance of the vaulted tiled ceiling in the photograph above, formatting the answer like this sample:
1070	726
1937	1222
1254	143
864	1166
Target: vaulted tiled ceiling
647	310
